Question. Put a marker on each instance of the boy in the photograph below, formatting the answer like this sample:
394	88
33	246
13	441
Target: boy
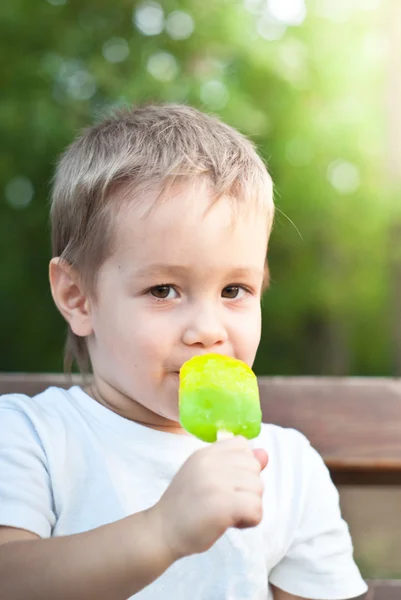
161	217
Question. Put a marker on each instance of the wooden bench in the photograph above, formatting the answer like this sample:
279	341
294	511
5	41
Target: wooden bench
355	424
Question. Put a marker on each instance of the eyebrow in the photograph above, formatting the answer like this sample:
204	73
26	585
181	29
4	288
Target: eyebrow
157	270
161	270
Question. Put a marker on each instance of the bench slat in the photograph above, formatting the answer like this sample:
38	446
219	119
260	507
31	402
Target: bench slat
355	423
34	383
384	589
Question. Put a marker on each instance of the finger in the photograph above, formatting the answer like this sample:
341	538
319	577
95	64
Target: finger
249	482
238	442
262	457
241	462
248	510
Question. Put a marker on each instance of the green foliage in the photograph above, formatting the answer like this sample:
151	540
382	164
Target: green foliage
309	100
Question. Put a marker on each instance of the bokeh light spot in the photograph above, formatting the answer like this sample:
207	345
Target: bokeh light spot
270	29
290	12
343	176
149	18
214	94
162	66
115	50
75	81
19	192
179	25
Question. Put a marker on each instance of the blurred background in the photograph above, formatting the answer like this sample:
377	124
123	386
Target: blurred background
316	84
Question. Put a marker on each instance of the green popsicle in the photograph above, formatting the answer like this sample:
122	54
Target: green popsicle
219	397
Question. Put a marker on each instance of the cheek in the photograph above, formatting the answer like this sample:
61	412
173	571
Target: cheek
247	334
253	337
149	336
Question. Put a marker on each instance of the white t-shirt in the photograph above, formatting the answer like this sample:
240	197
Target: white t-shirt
69	464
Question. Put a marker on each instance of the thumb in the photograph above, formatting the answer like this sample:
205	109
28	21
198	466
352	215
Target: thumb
262	456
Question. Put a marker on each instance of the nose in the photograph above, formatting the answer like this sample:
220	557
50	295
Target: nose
204	328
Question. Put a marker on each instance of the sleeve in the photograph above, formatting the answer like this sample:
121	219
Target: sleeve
25	489
319	561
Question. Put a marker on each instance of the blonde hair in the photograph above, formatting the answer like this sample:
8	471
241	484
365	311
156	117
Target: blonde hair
142	148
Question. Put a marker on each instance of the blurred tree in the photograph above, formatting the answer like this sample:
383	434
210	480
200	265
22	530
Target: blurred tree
303	85
393	89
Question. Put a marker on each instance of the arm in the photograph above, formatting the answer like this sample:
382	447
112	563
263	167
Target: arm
281	595
318	560
218	487
111	562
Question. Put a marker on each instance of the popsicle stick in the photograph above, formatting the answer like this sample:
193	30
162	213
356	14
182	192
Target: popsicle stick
222	434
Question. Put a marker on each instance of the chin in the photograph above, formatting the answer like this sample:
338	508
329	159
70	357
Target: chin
169	411
171	415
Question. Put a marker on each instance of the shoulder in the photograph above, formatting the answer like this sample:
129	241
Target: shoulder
295	467
295	475
28	433
40	412
313	556
23	402
282	436
50	400
287	448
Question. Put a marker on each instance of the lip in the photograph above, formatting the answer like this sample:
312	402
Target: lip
177	372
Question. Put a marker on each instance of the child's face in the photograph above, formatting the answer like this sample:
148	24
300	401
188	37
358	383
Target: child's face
182	281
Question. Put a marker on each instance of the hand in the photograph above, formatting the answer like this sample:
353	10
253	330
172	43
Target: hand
217	487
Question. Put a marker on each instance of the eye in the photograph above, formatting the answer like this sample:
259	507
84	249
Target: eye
233	292
163	292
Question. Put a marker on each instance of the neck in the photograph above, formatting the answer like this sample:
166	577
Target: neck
121	404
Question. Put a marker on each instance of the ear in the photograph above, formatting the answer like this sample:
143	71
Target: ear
69	296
